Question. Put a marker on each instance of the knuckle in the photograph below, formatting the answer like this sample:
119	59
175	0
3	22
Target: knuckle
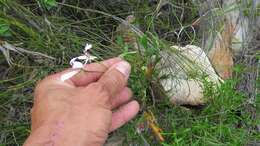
41	86
116	80
100	88
97	86
101	93
42	82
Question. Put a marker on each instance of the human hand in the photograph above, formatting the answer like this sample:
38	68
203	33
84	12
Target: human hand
78	111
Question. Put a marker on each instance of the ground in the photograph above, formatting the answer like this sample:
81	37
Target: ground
60	30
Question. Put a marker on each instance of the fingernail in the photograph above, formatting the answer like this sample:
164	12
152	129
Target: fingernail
123	67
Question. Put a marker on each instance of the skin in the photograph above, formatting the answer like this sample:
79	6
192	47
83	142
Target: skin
84	109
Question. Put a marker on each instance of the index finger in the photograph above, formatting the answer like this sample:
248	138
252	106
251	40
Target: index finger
92	72
76	77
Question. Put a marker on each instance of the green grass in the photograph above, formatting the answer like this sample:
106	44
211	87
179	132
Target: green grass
61	30
224	121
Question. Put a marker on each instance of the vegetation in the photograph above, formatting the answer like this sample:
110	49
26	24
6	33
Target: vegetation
60	29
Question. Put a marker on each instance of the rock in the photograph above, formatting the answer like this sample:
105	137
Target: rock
178	63
183	90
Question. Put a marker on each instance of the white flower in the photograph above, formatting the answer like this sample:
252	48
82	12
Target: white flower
79	62
87	47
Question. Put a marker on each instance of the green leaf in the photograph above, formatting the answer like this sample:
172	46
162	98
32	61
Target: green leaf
49	3
4	29
120	41
2	2
144	42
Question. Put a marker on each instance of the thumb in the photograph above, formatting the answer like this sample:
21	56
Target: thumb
115	79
